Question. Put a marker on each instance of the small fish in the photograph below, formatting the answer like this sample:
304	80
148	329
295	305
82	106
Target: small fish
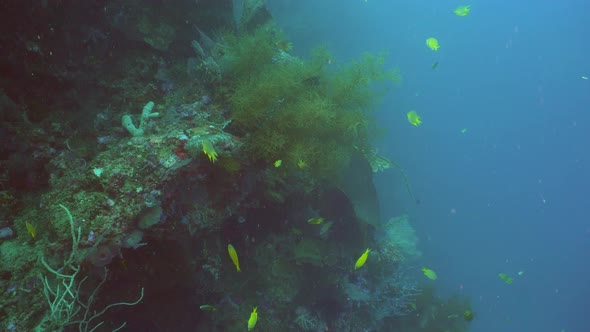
429	273
432	43
468	315
505	278
463	131
462	10
453	316
361	261
234	256
207	307
284	45
520	273
315	221
30	229
209	151
278	163
584	77
434	65
253	319
414	118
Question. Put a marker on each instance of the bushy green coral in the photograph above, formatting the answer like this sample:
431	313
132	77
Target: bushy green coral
308	113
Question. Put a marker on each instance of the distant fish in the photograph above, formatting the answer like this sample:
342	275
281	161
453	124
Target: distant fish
505	278
234	256
362	260
30	229
207	307
462	10
414	118
434	65
430	274
432	43
315	221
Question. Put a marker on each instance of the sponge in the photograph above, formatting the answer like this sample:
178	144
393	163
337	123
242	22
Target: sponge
127	122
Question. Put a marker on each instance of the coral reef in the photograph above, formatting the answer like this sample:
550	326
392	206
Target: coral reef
108	224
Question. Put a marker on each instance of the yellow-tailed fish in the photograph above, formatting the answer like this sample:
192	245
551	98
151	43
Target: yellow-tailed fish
505	278
234	256
278	163
253	319
429	273
414	118
462	10
30	229
315	221
432	43
209	151
207	307
361	261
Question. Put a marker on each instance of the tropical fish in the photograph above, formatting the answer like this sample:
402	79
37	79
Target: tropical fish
462	10
520	273
432	43
284	45
30	229
505	278
209	150
414	118
429	273
234	256
361	261
253	319
278	163
315	221
207	307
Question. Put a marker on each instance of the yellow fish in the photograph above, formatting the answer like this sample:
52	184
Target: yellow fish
505	278
414	118
432	43
315	221
253	319
209	150
429	273
30	229
361	261
462	10
207	307
278	163
234	256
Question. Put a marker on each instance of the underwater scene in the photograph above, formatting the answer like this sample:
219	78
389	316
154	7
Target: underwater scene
294	165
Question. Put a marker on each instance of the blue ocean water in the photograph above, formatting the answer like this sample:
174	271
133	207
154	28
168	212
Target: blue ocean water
511	192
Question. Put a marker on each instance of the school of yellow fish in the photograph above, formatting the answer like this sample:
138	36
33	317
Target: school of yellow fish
414	119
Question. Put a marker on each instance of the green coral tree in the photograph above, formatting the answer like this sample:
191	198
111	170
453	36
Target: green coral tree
309	113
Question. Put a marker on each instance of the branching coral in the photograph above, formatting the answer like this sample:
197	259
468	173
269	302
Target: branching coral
299	108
